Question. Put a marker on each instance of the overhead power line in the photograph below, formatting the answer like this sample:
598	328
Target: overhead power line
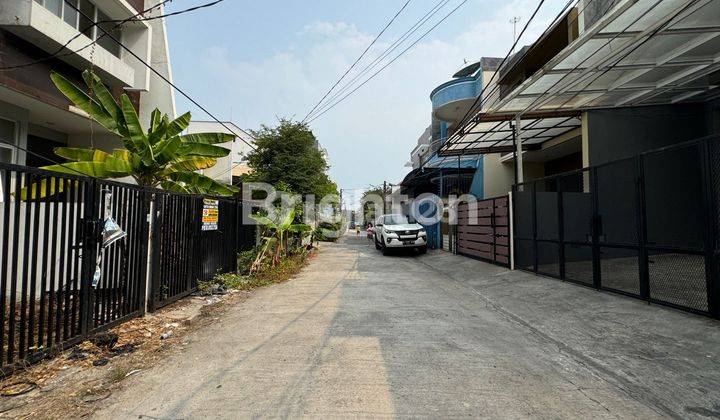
471	124
165	79
348	85
465	124
480	100
37	155
391	61
358	59
135	18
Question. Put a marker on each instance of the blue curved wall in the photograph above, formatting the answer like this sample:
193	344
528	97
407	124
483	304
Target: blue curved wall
456	90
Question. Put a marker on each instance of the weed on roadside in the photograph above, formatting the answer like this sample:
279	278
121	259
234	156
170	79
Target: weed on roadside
283	271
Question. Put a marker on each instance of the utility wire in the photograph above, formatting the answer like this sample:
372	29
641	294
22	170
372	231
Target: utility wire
358	59
385	53
479	100
160	75
572	71
59	52
391	61
37	155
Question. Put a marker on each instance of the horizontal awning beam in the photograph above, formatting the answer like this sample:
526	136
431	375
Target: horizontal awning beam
489	150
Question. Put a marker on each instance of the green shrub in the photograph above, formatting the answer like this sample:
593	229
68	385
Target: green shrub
245	260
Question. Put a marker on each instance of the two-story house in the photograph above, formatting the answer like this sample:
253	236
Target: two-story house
34	115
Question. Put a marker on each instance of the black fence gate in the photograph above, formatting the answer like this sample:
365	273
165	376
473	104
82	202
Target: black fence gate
60	280
194	239
175	239
645	226
66	272
218	245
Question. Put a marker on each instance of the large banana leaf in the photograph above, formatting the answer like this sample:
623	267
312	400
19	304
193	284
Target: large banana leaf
189	164
208	138
155	120
93	169
160	155
300	228
200	149
132	159
81	155
167	150
137	135
203	183
170	185
85	102
106	99
178	125
286	219
264	221
47	187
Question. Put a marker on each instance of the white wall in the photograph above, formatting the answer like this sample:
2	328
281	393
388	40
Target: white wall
222	171
160	94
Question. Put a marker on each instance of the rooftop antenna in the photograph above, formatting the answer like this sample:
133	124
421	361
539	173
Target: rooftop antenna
515	20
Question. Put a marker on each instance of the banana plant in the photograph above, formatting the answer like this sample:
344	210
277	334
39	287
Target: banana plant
275	241
160	157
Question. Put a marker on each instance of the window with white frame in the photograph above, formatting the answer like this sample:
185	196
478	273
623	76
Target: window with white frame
67	11
8	134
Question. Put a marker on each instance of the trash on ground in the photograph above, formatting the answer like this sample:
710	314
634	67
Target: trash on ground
100	362
104	339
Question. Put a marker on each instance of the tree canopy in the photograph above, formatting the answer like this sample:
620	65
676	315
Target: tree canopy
288	155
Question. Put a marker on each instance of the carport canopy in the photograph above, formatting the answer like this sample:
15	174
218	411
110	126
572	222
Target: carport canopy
642	52
499	136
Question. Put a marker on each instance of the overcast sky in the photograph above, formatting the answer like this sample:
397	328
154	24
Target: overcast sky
254	61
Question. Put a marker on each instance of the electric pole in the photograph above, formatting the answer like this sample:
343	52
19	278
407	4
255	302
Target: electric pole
515	20
385	197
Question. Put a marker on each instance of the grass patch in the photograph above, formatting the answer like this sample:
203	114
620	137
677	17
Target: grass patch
119	372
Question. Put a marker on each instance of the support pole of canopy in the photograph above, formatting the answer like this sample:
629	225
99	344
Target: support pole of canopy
518	150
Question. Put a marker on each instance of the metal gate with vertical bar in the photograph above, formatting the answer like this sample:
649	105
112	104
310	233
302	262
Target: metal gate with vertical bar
218	247
644	226
51	226
176	246
486	236
61	280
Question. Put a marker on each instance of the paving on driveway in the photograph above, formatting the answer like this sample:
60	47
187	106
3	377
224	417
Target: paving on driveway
358	334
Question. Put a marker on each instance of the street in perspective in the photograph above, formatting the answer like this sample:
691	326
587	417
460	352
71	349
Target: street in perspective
403	209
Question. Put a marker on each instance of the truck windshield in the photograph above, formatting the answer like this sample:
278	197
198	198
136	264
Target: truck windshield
398	219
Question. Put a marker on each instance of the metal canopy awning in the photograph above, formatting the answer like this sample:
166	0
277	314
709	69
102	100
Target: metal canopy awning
498	136
642	52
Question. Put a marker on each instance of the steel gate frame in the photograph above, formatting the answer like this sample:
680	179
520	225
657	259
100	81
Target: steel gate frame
708	149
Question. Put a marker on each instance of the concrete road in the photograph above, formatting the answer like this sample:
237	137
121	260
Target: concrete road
362	335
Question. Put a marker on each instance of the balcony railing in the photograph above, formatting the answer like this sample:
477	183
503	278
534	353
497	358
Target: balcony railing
455	90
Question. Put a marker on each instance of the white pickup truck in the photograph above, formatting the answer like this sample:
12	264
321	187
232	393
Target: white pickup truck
394	231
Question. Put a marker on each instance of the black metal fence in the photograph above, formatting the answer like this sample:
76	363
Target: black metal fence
61	280
185	253
645	226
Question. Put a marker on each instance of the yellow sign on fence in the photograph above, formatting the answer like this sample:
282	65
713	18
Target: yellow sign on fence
211	214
